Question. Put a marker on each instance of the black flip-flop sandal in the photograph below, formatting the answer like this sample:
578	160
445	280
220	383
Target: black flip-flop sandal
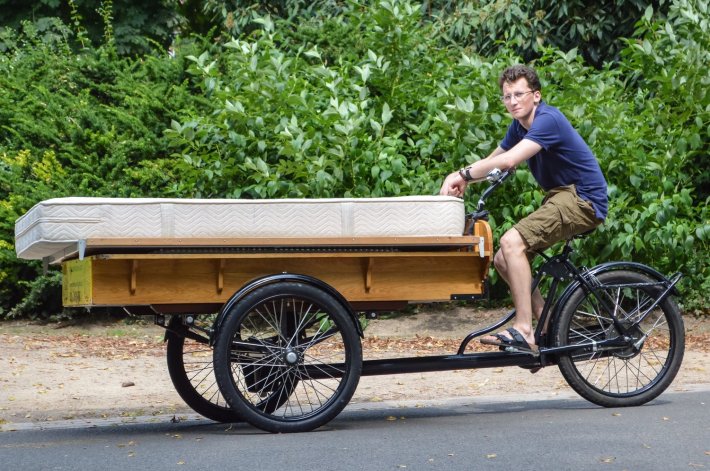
516	340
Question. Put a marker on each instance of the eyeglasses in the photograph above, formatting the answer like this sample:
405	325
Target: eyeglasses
516	95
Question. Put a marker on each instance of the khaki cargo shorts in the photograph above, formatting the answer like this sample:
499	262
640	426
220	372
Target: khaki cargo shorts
562	215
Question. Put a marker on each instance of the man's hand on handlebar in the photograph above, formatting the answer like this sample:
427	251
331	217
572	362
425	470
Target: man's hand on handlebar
454	185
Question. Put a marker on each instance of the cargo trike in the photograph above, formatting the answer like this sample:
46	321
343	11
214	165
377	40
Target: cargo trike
269	330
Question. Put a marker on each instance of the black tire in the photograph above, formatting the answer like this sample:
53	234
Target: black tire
628	376
288	357
191	370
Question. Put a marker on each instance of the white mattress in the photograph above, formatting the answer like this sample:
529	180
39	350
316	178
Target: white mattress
55	226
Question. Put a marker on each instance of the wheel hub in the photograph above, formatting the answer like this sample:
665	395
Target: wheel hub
627	353
291	357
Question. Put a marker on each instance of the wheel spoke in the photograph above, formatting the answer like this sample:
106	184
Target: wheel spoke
200	373
302	320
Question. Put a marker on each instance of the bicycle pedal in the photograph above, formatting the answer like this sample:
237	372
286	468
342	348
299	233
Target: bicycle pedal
511	349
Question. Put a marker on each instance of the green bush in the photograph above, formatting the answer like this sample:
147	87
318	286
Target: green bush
366	102
530	27
293	124
483	25
667	204
88	124
128	26
399	111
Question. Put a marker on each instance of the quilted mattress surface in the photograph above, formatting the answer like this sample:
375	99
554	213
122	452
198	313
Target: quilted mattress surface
55	225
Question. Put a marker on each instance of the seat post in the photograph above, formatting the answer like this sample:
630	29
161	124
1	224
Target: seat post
568	249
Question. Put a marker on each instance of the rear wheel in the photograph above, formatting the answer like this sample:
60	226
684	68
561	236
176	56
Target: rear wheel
637	372
191	371
288	357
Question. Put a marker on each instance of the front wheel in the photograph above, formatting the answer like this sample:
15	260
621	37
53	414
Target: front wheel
288	357
646	366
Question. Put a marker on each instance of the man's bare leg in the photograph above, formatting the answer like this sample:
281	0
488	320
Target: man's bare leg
512	263
538	302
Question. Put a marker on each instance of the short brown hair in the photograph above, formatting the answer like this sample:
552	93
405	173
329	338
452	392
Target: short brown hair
515	72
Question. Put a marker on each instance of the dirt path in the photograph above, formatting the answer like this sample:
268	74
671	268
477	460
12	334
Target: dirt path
108	370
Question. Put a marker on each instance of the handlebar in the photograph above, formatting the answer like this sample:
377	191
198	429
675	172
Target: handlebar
496	177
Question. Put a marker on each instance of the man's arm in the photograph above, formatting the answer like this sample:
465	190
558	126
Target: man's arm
455	184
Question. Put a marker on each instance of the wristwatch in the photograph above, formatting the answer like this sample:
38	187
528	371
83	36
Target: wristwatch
465	174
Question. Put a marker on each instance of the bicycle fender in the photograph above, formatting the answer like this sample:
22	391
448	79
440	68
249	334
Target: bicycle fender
279	278
613	266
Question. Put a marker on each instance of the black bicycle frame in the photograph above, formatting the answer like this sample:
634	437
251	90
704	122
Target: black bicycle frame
561	269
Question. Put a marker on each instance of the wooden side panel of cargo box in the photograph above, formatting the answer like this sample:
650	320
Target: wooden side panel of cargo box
115	280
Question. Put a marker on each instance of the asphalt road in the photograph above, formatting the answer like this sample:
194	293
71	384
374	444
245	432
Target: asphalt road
670	433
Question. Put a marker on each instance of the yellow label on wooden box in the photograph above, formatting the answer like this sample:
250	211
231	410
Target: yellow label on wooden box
76	283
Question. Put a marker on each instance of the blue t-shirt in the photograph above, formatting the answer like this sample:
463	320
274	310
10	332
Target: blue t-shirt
565	159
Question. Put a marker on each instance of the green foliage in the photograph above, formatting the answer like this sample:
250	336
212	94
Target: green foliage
78	124
44	294
531	26
133	27
484	25
392	112
666	206
236	17
349	100
372	114
662	63
293	123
